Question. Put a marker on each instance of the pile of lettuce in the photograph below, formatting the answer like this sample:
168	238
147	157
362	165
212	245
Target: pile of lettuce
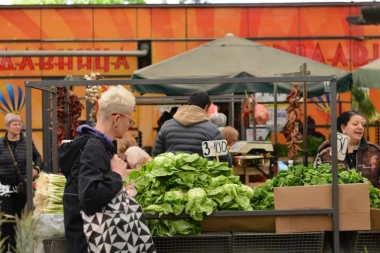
299	175
187	184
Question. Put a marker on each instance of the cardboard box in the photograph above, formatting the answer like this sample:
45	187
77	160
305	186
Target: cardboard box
239	224
375	219
354	208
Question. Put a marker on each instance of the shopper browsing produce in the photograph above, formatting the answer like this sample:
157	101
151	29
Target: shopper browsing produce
94	185
231	135
361	155
189	127
13	172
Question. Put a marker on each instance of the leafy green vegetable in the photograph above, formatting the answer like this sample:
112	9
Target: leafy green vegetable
187	183
232	197
299	175
164	227
198	204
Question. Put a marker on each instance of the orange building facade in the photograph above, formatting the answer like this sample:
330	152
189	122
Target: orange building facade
318	32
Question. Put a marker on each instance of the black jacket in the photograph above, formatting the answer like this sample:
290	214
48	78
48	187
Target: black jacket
186	132
8	174
91	184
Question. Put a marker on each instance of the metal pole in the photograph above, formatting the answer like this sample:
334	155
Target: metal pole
232	111
37	53
275	119
334	164
46	118
29	147
243	129
253	119
54	131
66	111
305	151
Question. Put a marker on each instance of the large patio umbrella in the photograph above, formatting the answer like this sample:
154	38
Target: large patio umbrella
232	56
368	76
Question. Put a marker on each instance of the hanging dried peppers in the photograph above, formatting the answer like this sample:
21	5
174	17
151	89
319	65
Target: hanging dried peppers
294	137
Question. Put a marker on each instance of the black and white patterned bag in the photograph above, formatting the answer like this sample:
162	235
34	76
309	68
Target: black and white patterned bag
120	227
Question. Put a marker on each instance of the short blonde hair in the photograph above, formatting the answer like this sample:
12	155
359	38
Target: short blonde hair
10	117
116	99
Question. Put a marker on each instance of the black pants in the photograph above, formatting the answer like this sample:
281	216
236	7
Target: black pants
12	205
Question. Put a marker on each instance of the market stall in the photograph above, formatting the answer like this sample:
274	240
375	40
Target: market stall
232	56
332	210
229	57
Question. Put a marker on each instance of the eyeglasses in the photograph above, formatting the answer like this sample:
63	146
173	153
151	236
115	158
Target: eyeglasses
131	122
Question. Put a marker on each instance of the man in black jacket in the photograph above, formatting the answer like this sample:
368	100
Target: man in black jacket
189	127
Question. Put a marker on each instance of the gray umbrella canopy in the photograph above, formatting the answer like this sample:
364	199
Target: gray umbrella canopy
232	56
368	75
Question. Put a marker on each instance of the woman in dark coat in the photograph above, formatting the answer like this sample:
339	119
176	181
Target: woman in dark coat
13	171
94	174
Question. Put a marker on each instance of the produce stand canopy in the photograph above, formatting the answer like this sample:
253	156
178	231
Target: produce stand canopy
368	75
232	56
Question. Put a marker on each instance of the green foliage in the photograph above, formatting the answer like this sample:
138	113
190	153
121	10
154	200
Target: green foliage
3	219
32	2
190	184
299	175
25	230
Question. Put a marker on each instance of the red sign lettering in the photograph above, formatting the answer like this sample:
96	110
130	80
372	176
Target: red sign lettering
106	63
6	64
86	65
318	55
339	57
121	61
360	56
26	62
61	63
100	63
45	64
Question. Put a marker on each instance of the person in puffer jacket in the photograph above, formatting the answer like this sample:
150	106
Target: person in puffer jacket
361	155
189	127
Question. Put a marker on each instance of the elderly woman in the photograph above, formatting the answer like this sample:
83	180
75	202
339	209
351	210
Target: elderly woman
13	172
361	155
94	178
218	119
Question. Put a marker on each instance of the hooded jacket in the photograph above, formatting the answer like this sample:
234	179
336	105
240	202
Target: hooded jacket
91	184
8	174
366	160
187	130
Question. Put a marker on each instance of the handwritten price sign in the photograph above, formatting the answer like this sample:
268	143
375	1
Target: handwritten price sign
343	141
214	148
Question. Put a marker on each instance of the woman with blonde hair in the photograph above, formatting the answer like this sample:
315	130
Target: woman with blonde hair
94	185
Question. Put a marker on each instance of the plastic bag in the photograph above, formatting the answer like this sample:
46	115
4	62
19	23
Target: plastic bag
212	109
50	226
261	113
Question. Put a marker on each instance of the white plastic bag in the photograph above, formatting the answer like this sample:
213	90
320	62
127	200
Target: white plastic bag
50	226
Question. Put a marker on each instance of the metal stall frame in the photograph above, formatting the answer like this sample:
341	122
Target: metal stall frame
329	81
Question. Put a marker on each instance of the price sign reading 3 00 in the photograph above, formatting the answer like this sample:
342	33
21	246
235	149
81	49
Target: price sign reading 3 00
214	148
